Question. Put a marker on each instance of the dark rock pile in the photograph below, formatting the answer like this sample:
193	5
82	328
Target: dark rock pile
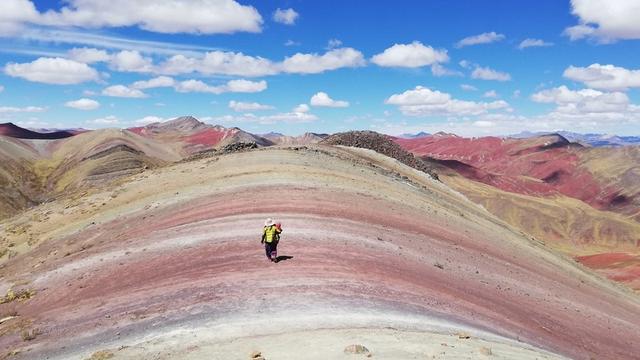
238	146
227	149
381	144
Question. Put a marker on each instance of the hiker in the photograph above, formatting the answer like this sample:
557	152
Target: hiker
270	238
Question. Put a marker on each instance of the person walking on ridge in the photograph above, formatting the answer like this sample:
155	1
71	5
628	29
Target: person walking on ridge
270	237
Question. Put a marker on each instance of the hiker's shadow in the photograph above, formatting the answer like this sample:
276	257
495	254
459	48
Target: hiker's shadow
283	258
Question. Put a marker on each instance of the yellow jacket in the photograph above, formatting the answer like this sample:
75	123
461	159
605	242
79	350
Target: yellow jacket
270	233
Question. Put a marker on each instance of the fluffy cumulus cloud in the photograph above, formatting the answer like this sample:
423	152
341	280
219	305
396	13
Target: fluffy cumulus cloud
585	101
238	86
467	87
88	55
123	91
176	16
157	82
13	15
131	61
285	16
302	108
57	71
423	101
605	20
484	38
83	104
410	55
218	63
322	99
604	77
315	63
240	106
486	73
527	43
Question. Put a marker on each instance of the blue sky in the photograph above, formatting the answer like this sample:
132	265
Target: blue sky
468	67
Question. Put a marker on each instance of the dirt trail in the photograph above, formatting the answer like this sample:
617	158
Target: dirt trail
168	264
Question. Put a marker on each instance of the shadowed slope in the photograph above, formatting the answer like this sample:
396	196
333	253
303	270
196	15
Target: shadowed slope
12	130
169	263
32	171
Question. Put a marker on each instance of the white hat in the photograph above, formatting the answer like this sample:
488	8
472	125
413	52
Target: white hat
269	222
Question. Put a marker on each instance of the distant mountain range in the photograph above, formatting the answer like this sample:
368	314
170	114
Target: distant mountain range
15	131
596	140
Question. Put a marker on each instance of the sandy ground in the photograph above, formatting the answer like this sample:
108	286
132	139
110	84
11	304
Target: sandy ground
167	264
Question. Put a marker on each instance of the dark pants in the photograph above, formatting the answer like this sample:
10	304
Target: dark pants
271	249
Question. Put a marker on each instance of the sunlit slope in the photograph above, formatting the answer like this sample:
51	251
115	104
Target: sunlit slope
18	183
619	167
168	262
33	171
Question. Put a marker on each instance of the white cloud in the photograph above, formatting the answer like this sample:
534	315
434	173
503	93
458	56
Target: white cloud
13	14
467	87
176	16
160	81
485	73
294	117
196	86
302	108
57	71
605	20
245	86
423	101
27	109
533	43
83	104
219	63
410	55
323	99
123	91
88	55
131	61
314	63
227	63
300	114
490	94
465	64
238	86
604	77
79	37
148	120
585	101
439	71
240	106
484	38
107	120
483	123
285	16
291	43
333	43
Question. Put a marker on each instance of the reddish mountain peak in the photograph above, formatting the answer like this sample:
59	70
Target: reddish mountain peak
183	123
15	131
